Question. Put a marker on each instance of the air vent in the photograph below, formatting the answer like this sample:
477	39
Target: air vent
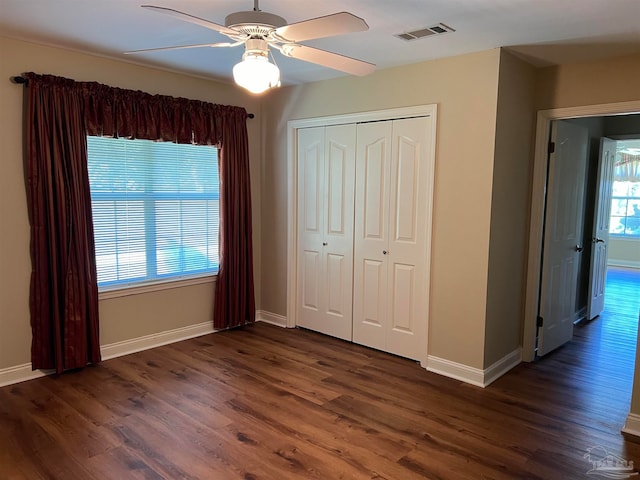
438	29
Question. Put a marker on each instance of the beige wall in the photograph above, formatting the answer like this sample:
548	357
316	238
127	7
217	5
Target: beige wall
465	91
121	318
589	83
509	208
624	252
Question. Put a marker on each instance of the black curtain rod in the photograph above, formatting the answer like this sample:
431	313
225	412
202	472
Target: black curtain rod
25	81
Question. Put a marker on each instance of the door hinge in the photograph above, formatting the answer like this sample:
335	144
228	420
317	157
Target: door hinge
540	321
552	147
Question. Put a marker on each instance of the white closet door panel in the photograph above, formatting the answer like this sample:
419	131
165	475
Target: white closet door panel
372	187
405	184
402	298
374	293
311	171
339	172
311	280
375	186
310	182
340	183
311	294
406	333
338	295
326	176
340	156
370	305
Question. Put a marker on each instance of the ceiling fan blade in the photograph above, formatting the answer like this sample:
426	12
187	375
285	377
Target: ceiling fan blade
328	59
182	47
192	19
327	26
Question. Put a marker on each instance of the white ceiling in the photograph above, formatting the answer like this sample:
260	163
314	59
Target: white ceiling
542	31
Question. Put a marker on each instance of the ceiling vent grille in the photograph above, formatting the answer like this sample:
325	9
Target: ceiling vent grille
438	29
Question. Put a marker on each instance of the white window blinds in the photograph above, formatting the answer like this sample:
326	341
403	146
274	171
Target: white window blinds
155	210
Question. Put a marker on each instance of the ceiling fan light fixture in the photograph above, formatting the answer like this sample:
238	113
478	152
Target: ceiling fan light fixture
255	72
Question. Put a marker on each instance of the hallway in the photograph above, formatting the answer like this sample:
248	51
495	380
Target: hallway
589	380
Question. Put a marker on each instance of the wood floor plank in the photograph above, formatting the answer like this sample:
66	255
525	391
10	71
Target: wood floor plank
265	403
344	438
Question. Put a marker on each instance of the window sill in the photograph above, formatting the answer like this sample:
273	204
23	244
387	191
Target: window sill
626	238
120	291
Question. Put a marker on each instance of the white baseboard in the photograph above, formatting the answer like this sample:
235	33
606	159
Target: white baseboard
612	262
457	371
21	373
272	318
146	342
632	425
471	375
502	366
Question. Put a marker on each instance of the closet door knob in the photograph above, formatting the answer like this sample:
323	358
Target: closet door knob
384	252
325	244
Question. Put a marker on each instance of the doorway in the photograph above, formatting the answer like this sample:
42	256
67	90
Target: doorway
544	121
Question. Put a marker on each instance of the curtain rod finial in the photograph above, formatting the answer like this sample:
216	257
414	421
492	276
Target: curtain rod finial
19	80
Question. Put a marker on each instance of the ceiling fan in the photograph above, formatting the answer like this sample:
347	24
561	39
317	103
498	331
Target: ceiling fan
258	30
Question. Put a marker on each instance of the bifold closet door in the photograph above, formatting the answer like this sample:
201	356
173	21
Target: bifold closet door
326	179
390	257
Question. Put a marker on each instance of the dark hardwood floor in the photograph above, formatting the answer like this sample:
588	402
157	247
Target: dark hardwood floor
269	403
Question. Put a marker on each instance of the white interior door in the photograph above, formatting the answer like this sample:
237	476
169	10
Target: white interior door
600	240
326	175
371	237
562	235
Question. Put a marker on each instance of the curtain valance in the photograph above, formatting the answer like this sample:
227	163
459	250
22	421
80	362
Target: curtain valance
118	112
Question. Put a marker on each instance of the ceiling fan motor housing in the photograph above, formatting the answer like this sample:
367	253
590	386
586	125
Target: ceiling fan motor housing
256	46
255	23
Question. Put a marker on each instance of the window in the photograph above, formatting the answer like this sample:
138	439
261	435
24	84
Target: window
625	201
155	210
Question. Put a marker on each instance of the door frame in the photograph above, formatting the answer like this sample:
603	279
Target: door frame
292	191
538	191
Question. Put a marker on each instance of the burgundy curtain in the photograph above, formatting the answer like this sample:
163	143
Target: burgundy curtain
60	114
235	304
64	293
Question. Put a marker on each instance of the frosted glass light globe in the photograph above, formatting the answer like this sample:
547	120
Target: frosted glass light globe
256	73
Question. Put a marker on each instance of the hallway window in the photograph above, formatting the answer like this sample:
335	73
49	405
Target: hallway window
625	204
